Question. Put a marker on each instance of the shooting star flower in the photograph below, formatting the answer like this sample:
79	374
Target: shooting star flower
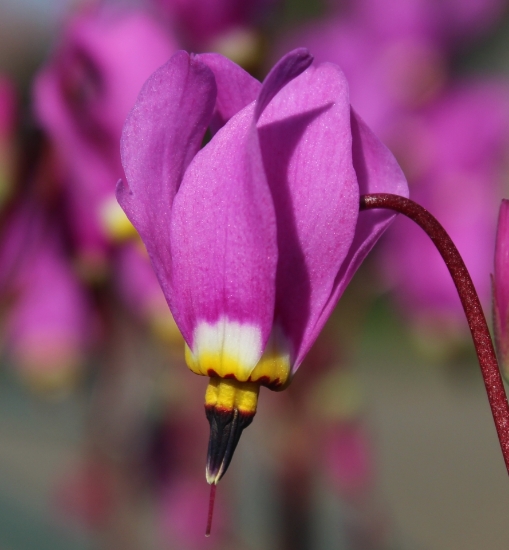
255	236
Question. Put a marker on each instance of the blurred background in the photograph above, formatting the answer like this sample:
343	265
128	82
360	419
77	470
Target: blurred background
384	440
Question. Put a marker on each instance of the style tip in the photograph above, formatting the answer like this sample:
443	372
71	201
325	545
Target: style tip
212	500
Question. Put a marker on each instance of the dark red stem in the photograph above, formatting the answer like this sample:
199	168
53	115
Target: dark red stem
469	299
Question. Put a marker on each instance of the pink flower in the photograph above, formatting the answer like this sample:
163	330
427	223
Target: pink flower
200	21
48	325
501	288
454	153
82	97
388	73
394	54
254	237
445	22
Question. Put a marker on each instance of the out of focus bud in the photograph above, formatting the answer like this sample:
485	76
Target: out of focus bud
500	280
202	22
48	319
48	329
114	221
241	44
82	97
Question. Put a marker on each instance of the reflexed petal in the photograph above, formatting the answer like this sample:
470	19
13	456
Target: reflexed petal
162	134
236	88
223	239
377	172
306	144
284	71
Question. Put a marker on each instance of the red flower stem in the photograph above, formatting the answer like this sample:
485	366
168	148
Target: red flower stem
469	299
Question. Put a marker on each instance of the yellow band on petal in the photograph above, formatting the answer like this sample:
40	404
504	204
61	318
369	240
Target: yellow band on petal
228	349
273	369
215	364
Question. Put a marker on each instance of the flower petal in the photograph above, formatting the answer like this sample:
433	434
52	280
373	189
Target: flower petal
162	134
223	223
306	144
236	88
501	286
377	172
285	70
223	239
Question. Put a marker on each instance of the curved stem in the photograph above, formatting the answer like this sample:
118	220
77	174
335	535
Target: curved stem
469	299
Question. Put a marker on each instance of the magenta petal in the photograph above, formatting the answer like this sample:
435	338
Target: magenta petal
377	172
223	235
285	70
162	134
306	143
501	286
236	88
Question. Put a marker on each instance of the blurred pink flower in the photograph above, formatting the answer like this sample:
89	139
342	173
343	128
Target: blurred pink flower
455	154
201	21
445	22
48	325
81	99
386	74
394	54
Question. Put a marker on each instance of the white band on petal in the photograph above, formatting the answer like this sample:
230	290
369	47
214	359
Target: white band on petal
225	348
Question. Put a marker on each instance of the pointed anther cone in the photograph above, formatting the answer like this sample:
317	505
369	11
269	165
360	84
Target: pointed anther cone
230	407
226	427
